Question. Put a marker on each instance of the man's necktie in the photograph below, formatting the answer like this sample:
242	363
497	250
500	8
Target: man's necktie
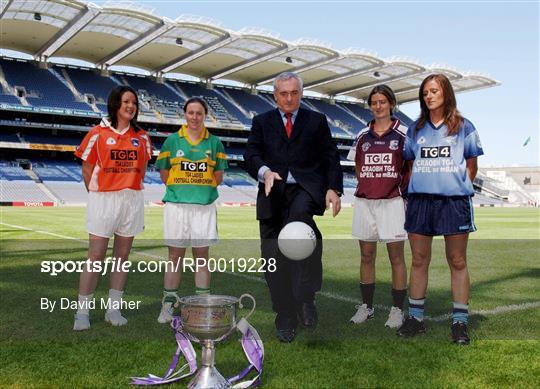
288	125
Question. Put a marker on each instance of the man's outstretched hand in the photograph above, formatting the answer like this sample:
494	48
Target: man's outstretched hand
269	177
333	198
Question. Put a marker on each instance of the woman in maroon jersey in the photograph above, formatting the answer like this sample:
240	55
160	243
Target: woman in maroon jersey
379	208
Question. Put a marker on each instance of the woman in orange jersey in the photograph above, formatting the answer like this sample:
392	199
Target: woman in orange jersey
114	154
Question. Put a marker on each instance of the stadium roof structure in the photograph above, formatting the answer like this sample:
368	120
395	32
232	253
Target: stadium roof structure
122	34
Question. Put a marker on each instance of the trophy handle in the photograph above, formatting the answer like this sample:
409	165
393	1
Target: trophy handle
242	306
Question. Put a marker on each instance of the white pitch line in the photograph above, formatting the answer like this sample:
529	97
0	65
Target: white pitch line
330	295
490	312
44	232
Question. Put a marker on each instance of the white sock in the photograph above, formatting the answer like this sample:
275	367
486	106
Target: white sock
115	297
82	305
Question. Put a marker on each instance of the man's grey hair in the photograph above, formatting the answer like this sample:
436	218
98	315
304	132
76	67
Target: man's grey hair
287	76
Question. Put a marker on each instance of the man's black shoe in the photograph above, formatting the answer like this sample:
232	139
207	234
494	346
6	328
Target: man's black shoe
286	327
286	335
411	327
308	315
460	334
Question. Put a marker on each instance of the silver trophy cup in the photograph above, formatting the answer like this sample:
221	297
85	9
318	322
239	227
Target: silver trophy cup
209	319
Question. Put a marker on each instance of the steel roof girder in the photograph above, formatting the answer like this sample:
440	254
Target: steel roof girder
303	68
350	74
133	46
85	16
4	5
250	62
386	80
192	56
423	74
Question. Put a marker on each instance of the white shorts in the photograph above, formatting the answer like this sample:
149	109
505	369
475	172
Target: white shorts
119	212
192	225
379	220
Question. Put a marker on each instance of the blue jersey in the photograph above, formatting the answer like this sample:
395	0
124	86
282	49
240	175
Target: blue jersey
440	160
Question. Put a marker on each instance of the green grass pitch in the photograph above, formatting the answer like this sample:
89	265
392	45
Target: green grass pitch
39	349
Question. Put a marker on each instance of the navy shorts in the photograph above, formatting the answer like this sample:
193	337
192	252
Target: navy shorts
432	215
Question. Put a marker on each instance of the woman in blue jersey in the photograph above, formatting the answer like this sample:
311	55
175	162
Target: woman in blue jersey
443	147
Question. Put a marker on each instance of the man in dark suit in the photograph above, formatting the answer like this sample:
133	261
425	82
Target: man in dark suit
291	153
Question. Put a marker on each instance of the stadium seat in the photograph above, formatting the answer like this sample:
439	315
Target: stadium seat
22	190
43	88
251	103
13	173
9	99
222	109
88	81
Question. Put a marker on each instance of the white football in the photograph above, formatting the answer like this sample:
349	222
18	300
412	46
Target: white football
297	241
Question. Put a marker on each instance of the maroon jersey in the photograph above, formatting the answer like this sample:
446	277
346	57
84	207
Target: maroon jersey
381	170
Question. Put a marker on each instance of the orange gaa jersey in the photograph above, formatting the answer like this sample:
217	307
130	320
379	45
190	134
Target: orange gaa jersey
120	158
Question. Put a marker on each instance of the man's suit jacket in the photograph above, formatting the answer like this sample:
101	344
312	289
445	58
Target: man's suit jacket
309	154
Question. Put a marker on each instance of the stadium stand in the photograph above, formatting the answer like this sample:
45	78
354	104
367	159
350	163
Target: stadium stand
486	201
9	138
152	88
337	116
220	108
235	177
88	82
235	151
51	173
403	118
55	140
70	169
254	104
41	86
9	99
521	183
349	181
228	106
72	193
486	184
237	194
152	176
153	192
162	98
13	173
18	190
361	113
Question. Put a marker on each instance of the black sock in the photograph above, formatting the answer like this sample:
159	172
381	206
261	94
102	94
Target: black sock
368	290
398	295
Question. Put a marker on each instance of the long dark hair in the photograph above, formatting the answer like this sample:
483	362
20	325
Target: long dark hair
114	102
452	118
386	91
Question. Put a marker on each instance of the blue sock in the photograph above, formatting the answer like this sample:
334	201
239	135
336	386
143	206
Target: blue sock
416	308
460	313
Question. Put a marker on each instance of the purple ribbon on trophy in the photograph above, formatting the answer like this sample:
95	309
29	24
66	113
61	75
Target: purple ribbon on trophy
254	350
185	348
209	319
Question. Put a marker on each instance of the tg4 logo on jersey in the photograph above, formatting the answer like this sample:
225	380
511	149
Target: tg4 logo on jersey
123	155
378	158
435	152
195	167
